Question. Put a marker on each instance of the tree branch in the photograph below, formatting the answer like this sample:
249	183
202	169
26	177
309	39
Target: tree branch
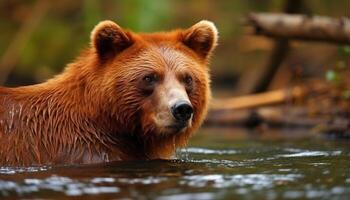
303	27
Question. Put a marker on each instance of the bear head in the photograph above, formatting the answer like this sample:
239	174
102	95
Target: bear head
155	85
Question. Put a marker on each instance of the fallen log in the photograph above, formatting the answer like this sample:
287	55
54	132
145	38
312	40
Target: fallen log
256	100
274	117
268	108
303	27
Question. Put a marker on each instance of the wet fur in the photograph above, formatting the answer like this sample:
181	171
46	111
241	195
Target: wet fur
92	112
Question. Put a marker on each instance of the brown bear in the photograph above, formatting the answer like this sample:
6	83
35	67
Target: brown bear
128	96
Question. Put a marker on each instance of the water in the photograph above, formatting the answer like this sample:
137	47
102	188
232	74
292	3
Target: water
218	164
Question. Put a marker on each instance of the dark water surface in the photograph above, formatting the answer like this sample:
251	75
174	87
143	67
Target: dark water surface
218	164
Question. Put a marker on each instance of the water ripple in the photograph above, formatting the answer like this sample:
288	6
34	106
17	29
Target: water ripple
14	170
144	181
306	153
257	181
196	150
68	186
201	196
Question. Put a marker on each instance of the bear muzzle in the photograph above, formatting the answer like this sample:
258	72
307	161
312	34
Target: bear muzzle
182	111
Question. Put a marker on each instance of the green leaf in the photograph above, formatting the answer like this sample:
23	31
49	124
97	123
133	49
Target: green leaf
346	49
332	76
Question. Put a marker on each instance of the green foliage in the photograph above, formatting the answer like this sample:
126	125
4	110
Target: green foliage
146	15
66	28
344	52
333	76
92	13
337	75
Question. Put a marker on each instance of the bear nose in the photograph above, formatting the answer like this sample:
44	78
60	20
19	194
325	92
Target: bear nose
182	111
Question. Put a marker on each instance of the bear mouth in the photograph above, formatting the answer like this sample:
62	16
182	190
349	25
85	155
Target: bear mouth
178	127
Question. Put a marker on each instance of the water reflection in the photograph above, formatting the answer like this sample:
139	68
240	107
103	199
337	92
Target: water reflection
201	196
307	153
54	183
256	181
217	167
194	150
14	170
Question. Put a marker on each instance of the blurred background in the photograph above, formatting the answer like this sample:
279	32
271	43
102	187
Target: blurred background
38	38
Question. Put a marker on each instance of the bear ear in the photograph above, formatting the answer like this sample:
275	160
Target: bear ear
201	38
109	39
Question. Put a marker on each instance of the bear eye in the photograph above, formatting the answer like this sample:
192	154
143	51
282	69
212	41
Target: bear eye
150	79
148	83
188	80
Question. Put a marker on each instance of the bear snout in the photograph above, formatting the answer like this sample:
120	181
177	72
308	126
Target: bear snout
182	111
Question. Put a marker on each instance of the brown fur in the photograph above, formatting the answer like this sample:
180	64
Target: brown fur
93	111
